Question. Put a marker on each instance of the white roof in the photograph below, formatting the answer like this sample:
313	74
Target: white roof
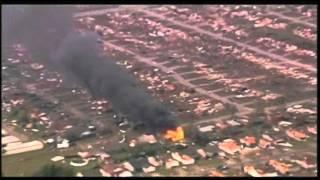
4	132
9	139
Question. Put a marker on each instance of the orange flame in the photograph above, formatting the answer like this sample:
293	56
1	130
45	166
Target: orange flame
175	135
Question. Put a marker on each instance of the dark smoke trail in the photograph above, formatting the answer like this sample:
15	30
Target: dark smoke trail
40	28
78	55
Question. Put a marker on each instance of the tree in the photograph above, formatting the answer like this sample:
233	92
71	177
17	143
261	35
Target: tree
51	170
21	115
73	134
199	137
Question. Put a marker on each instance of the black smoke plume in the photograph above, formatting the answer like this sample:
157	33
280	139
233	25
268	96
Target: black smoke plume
40	28
47	33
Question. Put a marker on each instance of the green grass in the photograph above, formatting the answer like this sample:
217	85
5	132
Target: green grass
163	171
301	145
31	135
214	162
91	172
26	164
53	170
128	153
93	164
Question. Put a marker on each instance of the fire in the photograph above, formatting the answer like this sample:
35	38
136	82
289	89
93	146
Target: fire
175	135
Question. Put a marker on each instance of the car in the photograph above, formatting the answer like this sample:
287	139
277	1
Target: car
86	134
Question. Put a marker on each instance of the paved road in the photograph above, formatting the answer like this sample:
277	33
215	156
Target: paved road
179	78
199	30
238	43
67	107
241	107
104	11
271	108
292	19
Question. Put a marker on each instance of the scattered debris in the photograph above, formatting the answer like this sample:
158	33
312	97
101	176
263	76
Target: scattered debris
147	138
286	144
184	159
79	174
154	162
86	134
202	153
221	125
4	132
206	128
233	123
104	173
132	143
257	173
103	156
123	138
248	140
297	135
247	150
128	166
119	169
29	125
264	143
312	130
279	166
125	174
36	66
68	127
57	158
284	123
35	130
149	169
270	96
198	106
216	173
304	164
300	110
84	154
63	144
229	146
267	137
170	163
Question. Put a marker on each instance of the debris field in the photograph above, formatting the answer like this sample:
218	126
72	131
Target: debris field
241	80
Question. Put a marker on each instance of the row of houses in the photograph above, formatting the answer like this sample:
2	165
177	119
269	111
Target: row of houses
13	145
